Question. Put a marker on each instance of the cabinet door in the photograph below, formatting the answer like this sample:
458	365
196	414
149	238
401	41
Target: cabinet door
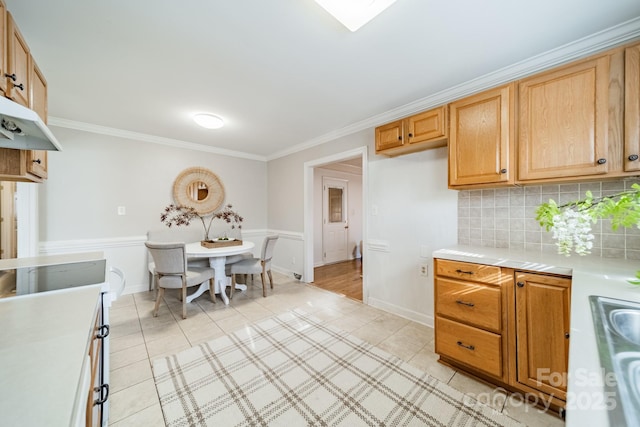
632	109
563	122
17	64
480	138
37	159
427	126
3	48
390	136
542	328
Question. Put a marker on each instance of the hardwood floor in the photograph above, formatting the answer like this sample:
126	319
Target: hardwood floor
344	278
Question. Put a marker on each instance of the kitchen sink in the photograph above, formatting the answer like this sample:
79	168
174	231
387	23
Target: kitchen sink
617	327
627	324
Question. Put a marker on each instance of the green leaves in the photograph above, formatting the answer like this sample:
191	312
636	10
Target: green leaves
546	212
635	281
622	209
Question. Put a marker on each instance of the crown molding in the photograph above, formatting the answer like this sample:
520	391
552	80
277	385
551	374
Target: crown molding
119	133
603	40
606	39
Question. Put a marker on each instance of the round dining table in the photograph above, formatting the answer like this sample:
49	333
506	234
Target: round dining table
217	260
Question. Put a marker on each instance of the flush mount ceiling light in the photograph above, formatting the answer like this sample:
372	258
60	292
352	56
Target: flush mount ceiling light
353	14
209	121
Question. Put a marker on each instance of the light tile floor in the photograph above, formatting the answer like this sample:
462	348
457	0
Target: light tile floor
137	338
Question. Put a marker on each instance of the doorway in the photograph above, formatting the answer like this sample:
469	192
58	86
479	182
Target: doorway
335	192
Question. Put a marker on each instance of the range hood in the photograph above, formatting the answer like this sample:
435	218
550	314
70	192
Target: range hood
22	128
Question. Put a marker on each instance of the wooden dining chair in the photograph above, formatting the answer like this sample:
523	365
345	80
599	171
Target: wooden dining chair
253	266
171	272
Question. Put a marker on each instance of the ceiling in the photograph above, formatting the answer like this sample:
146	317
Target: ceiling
282	73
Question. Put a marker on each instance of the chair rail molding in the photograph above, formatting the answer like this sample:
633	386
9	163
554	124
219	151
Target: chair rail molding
129	254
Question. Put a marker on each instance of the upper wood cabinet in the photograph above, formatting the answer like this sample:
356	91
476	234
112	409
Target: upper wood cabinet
415	133
481	138
542	332
26	85
563	121
632	109
18	69
37	159
3	47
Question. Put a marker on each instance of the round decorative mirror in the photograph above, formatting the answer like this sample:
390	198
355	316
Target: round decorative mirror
200	189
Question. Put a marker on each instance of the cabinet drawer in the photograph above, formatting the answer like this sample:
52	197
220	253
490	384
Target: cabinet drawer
475	304
468	271
474	347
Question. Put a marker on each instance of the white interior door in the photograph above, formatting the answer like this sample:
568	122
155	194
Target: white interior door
335	224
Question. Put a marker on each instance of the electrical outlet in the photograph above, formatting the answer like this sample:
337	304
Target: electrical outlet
424	269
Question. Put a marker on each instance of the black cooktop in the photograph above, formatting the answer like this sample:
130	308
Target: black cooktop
29	280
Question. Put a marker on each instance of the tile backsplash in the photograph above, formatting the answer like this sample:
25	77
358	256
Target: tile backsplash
505	218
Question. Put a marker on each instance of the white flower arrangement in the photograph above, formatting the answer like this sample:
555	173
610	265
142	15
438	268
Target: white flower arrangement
572	230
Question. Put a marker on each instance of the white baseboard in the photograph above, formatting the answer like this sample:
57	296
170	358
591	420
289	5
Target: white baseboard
135	288
402	312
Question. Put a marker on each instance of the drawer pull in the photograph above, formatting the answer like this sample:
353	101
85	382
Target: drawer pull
468	304
468	347
103	332
464	272
104	394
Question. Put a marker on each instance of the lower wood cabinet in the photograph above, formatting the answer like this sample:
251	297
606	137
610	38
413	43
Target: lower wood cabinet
99	390
470	320
507	327
542	309
472	346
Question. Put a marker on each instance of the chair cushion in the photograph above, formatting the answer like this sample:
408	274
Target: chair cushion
247	266
231	259
195	276
197	262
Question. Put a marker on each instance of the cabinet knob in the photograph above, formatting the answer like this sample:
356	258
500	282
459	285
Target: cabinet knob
38	161
11	76
633	157
503	171
602	161
20	86
400	138
566	335
520	284
410	135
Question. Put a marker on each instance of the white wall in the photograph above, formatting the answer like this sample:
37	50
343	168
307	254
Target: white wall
416	214
354	208
94	174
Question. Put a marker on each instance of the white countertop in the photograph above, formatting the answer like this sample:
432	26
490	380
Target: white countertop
43	260
44	341
590	276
